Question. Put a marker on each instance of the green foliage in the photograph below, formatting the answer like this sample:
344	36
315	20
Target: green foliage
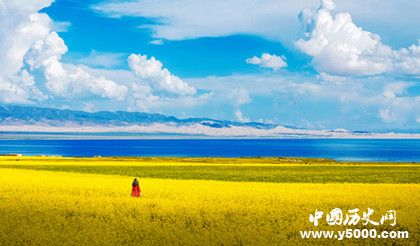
277	174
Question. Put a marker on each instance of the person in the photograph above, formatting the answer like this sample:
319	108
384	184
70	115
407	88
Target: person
135	190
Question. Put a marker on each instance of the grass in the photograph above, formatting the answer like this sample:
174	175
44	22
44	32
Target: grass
277	174
278	170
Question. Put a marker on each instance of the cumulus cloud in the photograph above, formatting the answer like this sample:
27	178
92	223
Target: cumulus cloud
240	97
408	60
152	71
20	27
33	69
99	59
29	45
268	61
19	88
340	47
214	18
209	18
396	105
61	26
67	80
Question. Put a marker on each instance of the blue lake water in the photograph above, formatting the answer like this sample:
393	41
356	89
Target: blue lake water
338	149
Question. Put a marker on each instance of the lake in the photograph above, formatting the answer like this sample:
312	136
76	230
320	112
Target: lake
392	150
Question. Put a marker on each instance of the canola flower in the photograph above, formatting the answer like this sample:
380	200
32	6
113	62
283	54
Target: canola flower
57	208
278	170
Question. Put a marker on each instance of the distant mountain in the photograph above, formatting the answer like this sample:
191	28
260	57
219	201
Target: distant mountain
16	120
26	115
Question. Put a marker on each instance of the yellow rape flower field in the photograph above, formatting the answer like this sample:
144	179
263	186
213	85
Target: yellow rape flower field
44	207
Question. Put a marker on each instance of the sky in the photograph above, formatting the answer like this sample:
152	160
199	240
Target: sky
309	64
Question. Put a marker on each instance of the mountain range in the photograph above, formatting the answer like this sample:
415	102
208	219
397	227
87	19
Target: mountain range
27	115
18	119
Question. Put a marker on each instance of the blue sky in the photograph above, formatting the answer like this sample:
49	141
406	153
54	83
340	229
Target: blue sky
308	64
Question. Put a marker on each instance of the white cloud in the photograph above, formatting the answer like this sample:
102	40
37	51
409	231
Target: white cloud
67	80
33	69
240	97
339	47
332	78
18	36
272	19
20	27
387	115
61	26
152	71
393	90
408	60
141	96
181	104
240	117
157	42
19	89
268	61
99	59
352	103
194	19
28	44
396	105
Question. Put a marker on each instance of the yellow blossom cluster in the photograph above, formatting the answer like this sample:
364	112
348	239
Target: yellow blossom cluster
58	208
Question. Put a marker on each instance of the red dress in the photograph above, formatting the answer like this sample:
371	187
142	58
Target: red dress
135	191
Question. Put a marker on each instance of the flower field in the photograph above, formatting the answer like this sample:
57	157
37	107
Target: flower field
74	207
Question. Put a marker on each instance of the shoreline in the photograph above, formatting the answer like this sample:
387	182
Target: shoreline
266	160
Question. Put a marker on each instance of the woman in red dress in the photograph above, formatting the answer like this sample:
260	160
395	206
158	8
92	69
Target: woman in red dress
136	191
